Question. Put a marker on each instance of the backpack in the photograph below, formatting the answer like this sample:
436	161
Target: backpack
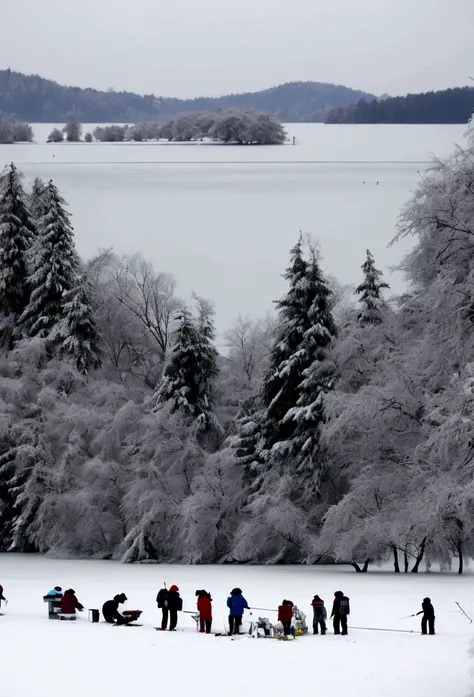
161	597
344	607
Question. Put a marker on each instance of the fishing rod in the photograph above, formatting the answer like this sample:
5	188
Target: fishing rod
263	609
463	612
379	629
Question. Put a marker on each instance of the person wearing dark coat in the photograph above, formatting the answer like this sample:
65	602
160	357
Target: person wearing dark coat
428	619
111	613
340	612
160	601
69	603
173	604
237	605
285	615
204	605
2	597
319	615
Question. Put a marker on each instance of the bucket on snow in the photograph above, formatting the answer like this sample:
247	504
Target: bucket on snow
94	616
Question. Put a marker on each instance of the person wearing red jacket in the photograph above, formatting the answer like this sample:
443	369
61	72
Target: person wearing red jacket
285	615
69	603
204	604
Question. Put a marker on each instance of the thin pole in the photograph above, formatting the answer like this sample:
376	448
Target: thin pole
263	609
378	629
463	612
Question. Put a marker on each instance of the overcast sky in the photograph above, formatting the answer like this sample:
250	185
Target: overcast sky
210	47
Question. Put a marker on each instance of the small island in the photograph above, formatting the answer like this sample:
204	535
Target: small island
231	127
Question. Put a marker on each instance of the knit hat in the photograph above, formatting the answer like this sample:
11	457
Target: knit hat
174	588
58	589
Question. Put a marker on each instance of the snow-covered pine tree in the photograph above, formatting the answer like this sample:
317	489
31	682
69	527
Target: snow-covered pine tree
244	442
307	416
54	267
189	376
17	231
306	328
77	333
370	291
36	198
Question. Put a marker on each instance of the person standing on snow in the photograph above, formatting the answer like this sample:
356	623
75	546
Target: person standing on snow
340	612
160	601
237	605
69	603
428	616
204	605
2	597
173	604
319	615
285	615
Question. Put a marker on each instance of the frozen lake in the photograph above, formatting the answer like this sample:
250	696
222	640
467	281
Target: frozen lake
44	658
223	218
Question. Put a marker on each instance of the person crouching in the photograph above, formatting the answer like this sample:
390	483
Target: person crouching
204	605
70	603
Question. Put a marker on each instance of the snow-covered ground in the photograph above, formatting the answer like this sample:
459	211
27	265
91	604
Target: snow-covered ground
43	658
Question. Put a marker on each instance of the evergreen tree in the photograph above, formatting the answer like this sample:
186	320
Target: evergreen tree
244	442
36	201
54	267
306	327
16	234
77	332
371	292
188	380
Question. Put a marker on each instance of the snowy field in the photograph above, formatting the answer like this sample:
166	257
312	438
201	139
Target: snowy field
43	658
223	218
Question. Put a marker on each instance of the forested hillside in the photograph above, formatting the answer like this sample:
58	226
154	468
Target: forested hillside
446	106
340	430
35	99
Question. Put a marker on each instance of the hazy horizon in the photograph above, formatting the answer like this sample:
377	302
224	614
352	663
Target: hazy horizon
187	50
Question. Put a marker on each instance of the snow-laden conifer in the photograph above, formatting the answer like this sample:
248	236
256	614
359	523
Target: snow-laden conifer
16	235
370	291
54	269
189	376
76	332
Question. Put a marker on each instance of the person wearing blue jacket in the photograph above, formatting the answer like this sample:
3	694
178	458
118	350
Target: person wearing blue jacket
236	604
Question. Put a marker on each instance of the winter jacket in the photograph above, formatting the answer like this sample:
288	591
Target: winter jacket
69	604
54	593
428	609
110	611
161	597
204	604
285	613
319	611
173	601
341	607
237	604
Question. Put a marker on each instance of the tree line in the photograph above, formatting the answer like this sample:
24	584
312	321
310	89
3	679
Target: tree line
12	131
35	99
339	429
445	106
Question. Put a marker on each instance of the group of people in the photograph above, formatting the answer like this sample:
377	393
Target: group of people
340	612
170	603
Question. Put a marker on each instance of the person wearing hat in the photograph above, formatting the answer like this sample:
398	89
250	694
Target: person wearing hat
69	603
340	612
237	604
56	592
428	619
174	604
319	615
111	613
204	605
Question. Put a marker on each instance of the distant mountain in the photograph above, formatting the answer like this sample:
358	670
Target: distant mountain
446	106
33	98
